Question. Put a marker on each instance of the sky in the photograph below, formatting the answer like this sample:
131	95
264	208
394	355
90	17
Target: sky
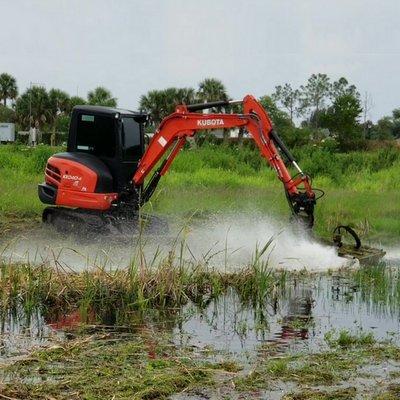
132	46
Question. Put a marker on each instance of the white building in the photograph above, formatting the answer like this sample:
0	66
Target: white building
7	132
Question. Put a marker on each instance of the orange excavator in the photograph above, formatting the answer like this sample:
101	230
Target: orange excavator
100	179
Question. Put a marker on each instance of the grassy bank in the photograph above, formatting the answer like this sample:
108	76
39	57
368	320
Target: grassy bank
361	187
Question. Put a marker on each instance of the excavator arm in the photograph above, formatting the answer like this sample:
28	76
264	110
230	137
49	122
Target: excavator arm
185	122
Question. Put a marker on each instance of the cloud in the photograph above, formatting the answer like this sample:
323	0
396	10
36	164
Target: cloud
134	46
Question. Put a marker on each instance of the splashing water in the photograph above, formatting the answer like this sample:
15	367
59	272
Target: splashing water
226	241
234	239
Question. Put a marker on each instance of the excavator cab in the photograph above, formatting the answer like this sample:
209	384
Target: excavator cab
103	151
114	136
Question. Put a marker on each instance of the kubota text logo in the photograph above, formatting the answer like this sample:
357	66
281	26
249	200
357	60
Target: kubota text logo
210	122
72	177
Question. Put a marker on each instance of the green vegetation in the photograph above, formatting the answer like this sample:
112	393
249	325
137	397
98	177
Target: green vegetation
138	359
346	339
379	285
8	88
101	96
312	394
21	169
361	187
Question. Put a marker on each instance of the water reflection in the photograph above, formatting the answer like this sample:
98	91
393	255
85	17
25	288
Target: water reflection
20	332
298	317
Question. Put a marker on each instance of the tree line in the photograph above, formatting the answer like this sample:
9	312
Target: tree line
44	109
320	110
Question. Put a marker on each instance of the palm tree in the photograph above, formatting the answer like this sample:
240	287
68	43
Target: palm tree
211	89
101	97
75	101
33	107
8	88
153	104
160	103
59	101
185	96
59	107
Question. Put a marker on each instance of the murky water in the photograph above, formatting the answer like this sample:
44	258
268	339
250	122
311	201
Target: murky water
300	319
304	312
20	334
308	308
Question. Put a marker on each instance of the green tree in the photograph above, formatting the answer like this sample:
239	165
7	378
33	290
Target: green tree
160	103
342	87
153	104
33	107
211	89
288	98
388	127
75	101
6	114
8	88
59	106
101	97
313	96
341	118
383	129
185	96
59	101
62	123
291	135
280	119
396	123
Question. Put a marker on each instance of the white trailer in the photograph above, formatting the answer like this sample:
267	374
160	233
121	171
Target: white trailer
7	132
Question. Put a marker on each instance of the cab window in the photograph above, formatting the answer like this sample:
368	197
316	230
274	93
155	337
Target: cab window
96	135
131	144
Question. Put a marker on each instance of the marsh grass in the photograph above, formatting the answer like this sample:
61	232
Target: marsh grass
345	339
379	285
112	295
105	367
315	394
347	353
145	365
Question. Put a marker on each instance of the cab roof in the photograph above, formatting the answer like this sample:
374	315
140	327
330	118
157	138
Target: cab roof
108	110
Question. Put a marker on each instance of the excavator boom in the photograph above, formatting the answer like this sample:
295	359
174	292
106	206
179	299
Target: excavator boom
100	179
184	122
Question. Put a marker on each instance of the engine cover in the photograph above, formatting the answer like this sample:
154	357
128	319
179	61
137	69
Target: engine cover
78	180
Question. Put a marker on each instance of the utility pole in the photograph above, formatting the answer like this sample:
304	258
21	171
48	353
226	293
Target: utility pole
367	106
